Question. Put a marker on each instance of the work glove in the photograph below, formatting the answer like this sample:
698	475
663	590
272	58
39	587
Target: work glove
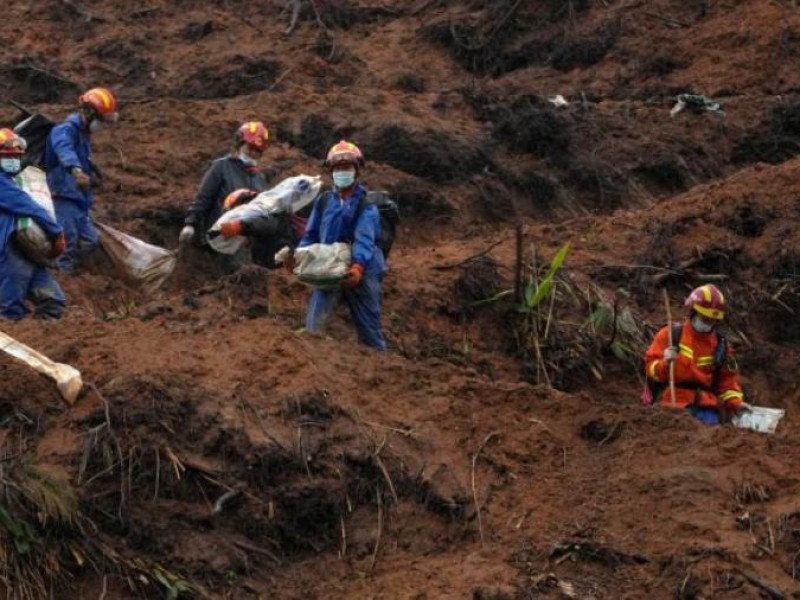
744	407
354	276
670	353
58	245
231	229
82	180
186	235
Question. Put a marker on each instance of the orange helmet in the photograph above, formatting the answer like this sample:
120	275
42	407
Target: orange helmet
344	153
707	300
237	197
252	133
11	144
101	101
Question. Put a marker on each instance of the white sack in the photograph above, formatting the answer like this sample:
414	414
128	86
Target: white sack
322	264
139	263
67	378
30	238
290	195
759	418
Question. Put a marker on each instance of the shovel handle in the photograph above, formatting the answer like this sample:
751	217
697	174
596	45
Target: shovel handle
671	343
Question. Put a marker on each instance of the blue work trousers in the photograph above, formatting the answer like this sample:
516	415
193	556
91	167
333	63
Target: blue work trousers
364	302
22	280
79	230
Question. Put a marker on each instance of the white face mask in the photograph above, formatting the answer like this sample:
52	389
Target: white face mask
12	166
248	160
96	125
344	179
701	326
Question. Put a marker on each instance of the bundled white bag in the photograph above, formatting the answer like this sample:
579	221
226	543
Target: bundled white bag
759	418
290	195
67	378
29	237
139	263
321	265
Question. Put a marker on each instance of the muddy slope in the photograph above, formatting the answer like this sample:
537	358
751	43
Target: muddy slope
496	451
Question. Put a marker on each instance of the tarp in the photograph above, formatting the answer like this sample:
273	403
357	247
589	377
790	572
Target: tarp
139	263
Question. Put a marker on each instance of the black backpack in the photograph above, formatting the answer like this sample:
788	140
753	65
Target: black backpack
654	389
34	128
388	210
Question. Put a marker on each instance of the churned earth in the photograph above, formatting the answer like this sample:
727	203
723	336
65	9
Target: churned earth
499	450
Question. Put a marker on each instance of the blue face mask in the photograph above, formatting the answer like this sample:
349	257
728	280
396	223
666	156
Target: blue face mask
12	166
344	179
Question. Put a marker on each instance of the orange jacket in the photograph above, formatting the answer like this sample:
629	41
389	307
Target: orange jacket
694	370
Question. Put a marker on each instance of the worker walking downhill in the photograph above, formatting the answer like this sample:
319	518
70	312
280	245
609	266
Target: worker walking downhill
705	371
22	280
234	171
343	215
71	173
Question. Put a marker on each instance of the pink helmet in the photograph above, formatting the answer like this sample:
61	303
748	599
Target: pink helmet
253	133
708	301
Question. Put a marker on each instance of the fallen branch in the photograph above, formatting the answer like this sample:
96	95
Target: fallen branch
474	491
258	550
82	12
384	471
220	502
669	21
773	592
468	259
380	529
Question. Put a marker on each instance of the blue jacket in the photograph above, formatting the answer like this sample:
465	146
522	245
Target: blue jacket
16	202
338	224
68	145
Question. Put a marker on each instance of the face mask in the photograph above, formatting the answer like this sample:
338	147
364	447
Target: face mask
344	179
12	166
248	160
700	326
96	125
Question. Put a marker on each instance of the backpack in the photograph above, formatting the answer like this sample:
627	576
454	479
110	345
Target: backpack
34	128
388	210
653	389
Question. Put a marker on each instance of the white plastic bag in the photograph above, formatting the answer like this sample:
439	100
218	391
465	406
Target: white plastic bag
323	265
290	195
29	237
140	263
67	378
759	418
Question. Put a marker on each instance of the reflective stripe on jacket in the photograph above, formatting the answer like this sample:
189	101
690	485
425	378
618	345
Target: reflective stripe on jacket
694	370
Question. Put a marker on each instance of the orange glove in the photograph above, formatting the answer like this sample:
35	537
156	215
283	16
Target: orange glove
232	229
59	245
354	276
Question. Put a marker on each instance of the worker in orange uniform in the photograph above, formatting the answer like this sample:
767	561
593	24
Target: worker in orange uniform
706	374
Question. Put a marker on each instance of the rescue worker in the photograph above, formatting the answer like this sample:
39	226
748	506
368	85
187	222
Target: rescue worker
267	234
345	218
71	173
706	374
236	170
21	279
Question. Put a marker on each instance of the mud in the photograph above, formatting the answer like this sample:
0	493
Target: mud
499	450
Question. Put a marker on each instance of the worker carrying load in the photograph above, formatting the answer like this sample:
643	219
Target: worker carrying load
72	175
22	278
267	221
706	377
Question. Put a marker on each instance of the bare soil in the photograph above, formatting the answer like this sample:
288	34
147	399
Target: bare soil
222	452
